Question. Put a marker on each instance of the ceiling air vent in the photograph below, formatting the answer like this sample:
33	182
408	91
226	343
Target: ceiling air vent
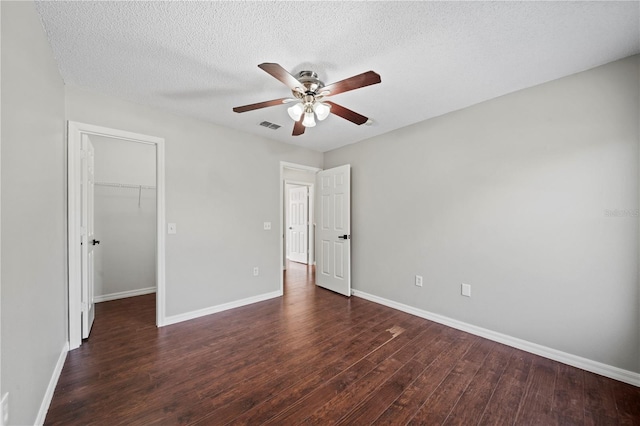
270	125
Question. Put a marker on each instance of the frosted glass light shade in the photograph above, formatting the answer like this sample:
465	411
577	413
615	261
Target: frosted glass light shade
308	121
295	111
322	110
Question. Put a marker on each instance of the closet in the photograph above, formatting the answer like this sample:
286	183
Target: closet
125	218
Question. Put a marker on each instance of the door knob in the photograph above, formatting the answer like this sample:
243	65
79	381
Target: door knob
94	242
344	237
291	227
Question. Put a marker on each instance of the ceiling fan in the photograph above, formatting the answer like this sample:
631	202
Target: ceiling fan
309	95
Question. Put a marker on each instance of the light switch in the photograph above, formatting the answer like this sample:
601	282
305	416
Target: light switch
466	290
267	226
171	228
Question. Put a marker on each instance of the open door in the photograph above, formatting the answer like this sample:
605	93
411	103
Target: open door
87	239
333	253
298	224
81	242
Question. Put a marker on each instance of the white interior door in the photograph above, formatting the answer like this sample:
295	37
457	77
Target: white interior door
88	240
333	232
298	224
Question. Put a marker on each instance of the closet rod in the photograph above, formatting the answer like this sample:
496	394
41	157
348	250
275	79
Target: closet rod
124	185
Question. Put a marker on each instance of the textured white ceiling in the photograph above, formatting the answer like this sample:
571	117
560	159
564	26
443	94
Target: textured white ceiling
200	59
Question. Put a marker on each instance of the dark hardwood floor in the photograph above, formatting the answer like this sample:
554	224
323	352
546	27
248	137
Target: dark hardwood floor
315	357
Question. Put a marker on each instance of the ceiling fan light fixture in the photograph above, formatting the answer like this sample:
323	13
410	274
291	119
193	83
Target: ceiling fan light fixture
295	111
309	120
322	110
308	95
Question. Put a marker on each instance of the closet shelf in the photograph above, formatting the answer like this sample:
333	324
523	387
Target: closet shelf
124	185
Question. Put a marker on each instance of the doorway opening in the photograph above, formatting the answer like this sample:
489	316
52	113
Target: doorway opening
118	189
301	239
331	235
298	220
124	218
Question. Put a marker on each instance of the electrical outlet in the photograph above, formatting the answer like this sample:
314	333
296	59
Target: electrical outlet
419	280
466	290
267	226
256	271
4	409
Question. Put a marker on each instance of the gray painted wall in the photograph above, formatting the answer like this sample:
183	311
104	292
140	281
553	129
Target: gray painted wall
221	185
514	197
299	176
34	318
125	218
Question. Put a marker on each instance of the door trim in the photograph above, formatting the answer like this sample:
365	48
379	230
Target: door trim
294	166
75	130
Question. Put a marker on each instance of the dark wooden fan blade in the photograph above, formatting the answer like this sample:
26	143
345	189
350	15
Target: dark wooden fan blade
357	81
281	74
259	105
298	128
346	113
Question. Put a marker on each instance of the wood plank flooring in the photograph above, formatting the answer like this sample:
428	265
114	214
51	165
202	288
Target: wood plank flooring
315	357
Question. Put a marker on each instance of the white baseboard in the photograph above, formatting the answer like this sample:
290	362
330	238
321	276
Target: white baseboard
534	348
174	319
48	395
123	294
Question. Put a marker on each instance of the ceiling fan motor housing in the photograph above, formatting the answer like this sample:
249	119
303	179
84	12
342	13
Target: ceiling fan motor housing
311	83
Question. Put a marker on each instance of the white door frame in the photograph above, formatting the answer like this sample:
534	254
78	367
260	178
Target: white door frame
74	138
301	167
310	219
